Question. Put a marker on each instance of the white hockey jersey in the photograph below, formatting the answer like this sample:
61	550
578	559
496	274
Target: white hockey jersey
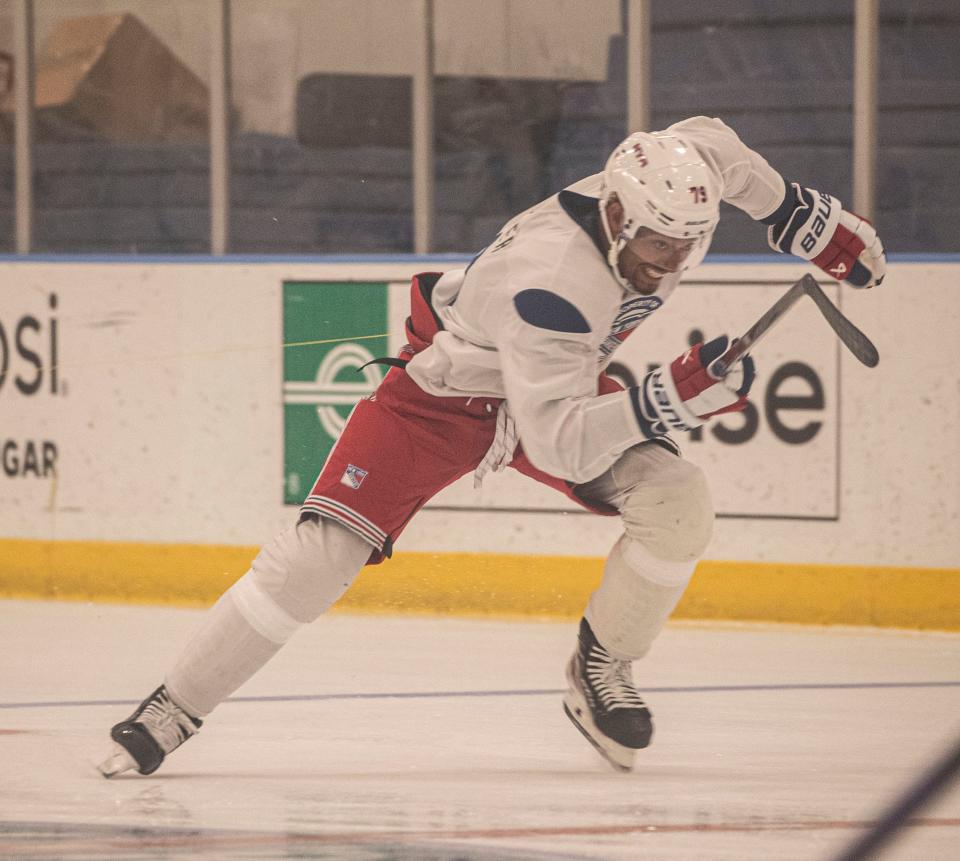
538	314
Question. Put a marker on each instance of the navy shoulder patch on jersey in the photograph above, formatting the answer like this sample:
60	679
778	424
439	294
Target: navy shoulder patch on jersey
547	310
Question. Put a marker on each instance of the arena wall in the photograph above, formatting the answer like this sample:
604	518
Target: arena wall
159	420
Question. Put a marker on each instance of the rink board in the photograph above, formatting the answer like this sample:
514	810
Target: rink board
491	584
161	417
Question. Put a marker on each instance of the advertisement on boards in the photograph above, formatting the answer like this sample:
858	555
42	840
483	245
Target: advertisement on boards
779	458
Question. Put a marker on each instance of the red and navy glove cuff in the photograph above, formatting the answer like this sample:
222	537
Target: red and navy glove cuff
782	212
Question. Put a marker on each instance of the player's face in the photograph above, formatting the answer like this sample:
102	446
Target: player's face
647	258
650	256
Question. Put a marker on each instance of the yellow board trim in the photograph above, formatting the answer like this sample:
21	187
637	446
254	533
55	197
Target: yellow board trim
491	585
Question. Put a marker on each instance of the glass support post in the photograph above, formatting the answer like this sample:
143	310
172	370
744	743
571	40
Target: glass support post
423	147
24	88
865	72
638	20
220	127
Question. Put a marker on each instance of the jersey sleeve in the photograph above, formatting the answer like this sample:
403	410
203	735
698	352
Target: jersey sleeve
748	181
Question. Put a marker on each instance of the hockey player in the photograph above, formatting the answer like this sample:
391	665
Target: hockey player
504	366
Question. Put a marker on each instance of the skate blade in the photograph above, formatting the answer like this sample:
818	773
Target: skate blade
619	757
117	763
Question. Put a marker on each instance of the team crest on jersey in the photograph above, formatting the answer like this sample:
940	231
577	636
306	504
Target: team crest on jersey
353	476
631	314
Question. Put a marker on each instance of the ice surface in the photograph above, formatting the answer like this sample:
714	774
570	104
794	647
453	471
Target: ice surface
382	738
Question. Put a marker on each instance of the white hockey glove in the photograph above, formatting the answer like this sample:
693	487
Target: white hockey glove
501	450
682	395
820	230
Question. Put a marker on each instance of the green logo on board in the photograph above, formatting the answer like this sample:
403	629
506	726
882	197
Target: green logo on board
321	381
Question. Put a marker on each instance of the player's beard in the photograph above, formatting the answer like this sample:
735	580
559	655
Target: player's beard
642	276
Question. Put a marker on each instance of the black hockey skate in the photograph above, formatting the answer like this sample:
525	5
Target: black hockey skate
603	703
158	727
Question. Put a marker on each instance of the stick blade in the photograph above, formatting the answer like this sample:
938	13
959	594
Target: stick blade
853	339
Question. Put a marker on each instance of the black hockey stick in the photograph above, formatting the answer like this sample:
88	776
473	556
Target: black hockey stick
855	341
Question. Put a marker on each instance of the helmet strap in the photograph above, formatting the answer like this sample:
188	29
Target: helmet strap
615	245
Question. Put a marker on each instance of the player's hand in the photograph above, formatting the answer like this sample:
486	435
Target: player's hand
841	243
683	394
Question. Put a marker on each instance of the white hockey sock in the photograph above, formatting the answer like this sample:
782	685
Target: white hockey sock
636	596
222	655
295	578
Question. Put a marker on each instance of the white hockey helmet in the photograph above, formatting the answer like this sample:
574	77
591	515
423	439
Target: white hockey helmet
663	184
